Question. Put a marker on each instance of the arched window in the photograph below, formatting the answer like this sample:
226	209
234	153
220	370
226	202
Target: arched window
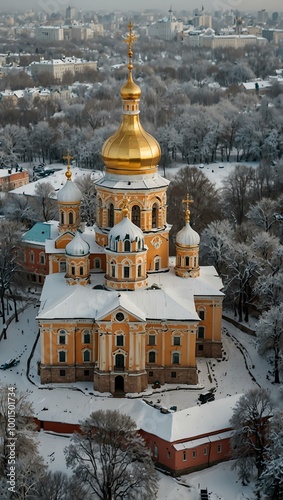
126	271
157	263
73	270
81	270
127	246
42	258
62	337
86	356
71	218
154	215
111	215
31	256
176	358
113	271
62	217
97	264
86	338
62	357
151	357
62	266
139	271
136	215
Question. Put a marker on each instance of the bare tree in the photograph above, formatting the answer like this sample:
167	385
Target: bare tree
110	459
43	202
57	486
250	420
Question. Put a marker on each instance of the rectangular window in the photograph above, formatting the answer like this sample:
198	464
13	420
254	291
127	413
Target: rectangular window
177	341
62	357
201	332
120	340
62	373
184	455
200	347
219	448
201	315
151	340
173	374
62	339
205	451
194	454
86	373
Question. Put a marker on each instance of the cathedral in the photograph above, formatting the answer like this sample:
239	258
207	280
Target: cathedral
115	309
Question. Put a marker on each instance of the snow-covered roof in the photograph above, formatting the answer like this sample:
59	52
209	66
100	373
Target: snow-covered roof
171	299
187	236
77	246
88	236
61	301
131	182
69	193
57	179
125	229
40	232
262	84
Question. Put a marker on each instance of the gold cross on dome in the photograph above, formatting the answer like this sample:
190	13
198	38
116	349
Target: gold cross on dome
69	158
187	201
129	40
131	37
125	209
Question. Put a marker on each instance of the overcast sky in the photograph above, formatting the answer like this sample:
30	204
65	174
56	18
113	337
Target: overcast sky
124	5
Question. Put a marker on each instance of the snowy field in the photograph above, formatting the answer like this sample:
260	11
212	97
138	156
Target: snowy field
239	370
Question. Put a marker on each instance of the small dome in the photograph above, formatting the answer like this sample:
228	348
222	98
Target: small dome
69	193
77	246
130	90
187	236
125	230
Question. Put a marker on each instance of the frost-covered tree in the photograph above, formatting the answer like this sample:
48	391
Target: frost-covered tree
242	272
263	214
271	480
111	460
250	423
215	245
269	332
88	203
238	192
24	430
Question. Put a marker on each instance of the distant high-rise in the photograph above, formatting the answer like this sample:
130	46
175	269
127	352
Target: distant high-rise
262	16
70	14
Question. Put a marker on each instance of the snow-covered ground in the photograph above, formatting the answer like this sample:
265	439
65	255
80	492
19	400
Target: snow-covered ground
240	369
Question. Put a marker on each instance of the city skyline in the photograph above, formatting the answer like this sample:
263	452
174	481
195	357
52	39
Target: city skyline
50	6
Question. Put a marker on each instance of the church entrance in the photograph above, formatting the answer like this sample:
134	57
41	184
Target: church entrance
119	383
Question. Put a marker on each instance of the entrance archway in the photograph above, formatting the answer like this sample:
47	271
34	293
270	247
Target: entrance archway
119	383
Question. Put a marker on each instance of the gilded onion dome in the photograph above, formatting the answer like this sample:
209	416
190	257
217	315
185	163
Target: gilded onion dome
69	193
131	150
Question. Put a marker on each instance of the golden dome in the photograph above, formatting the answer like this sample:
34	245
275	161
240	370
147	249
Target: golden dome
131	150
